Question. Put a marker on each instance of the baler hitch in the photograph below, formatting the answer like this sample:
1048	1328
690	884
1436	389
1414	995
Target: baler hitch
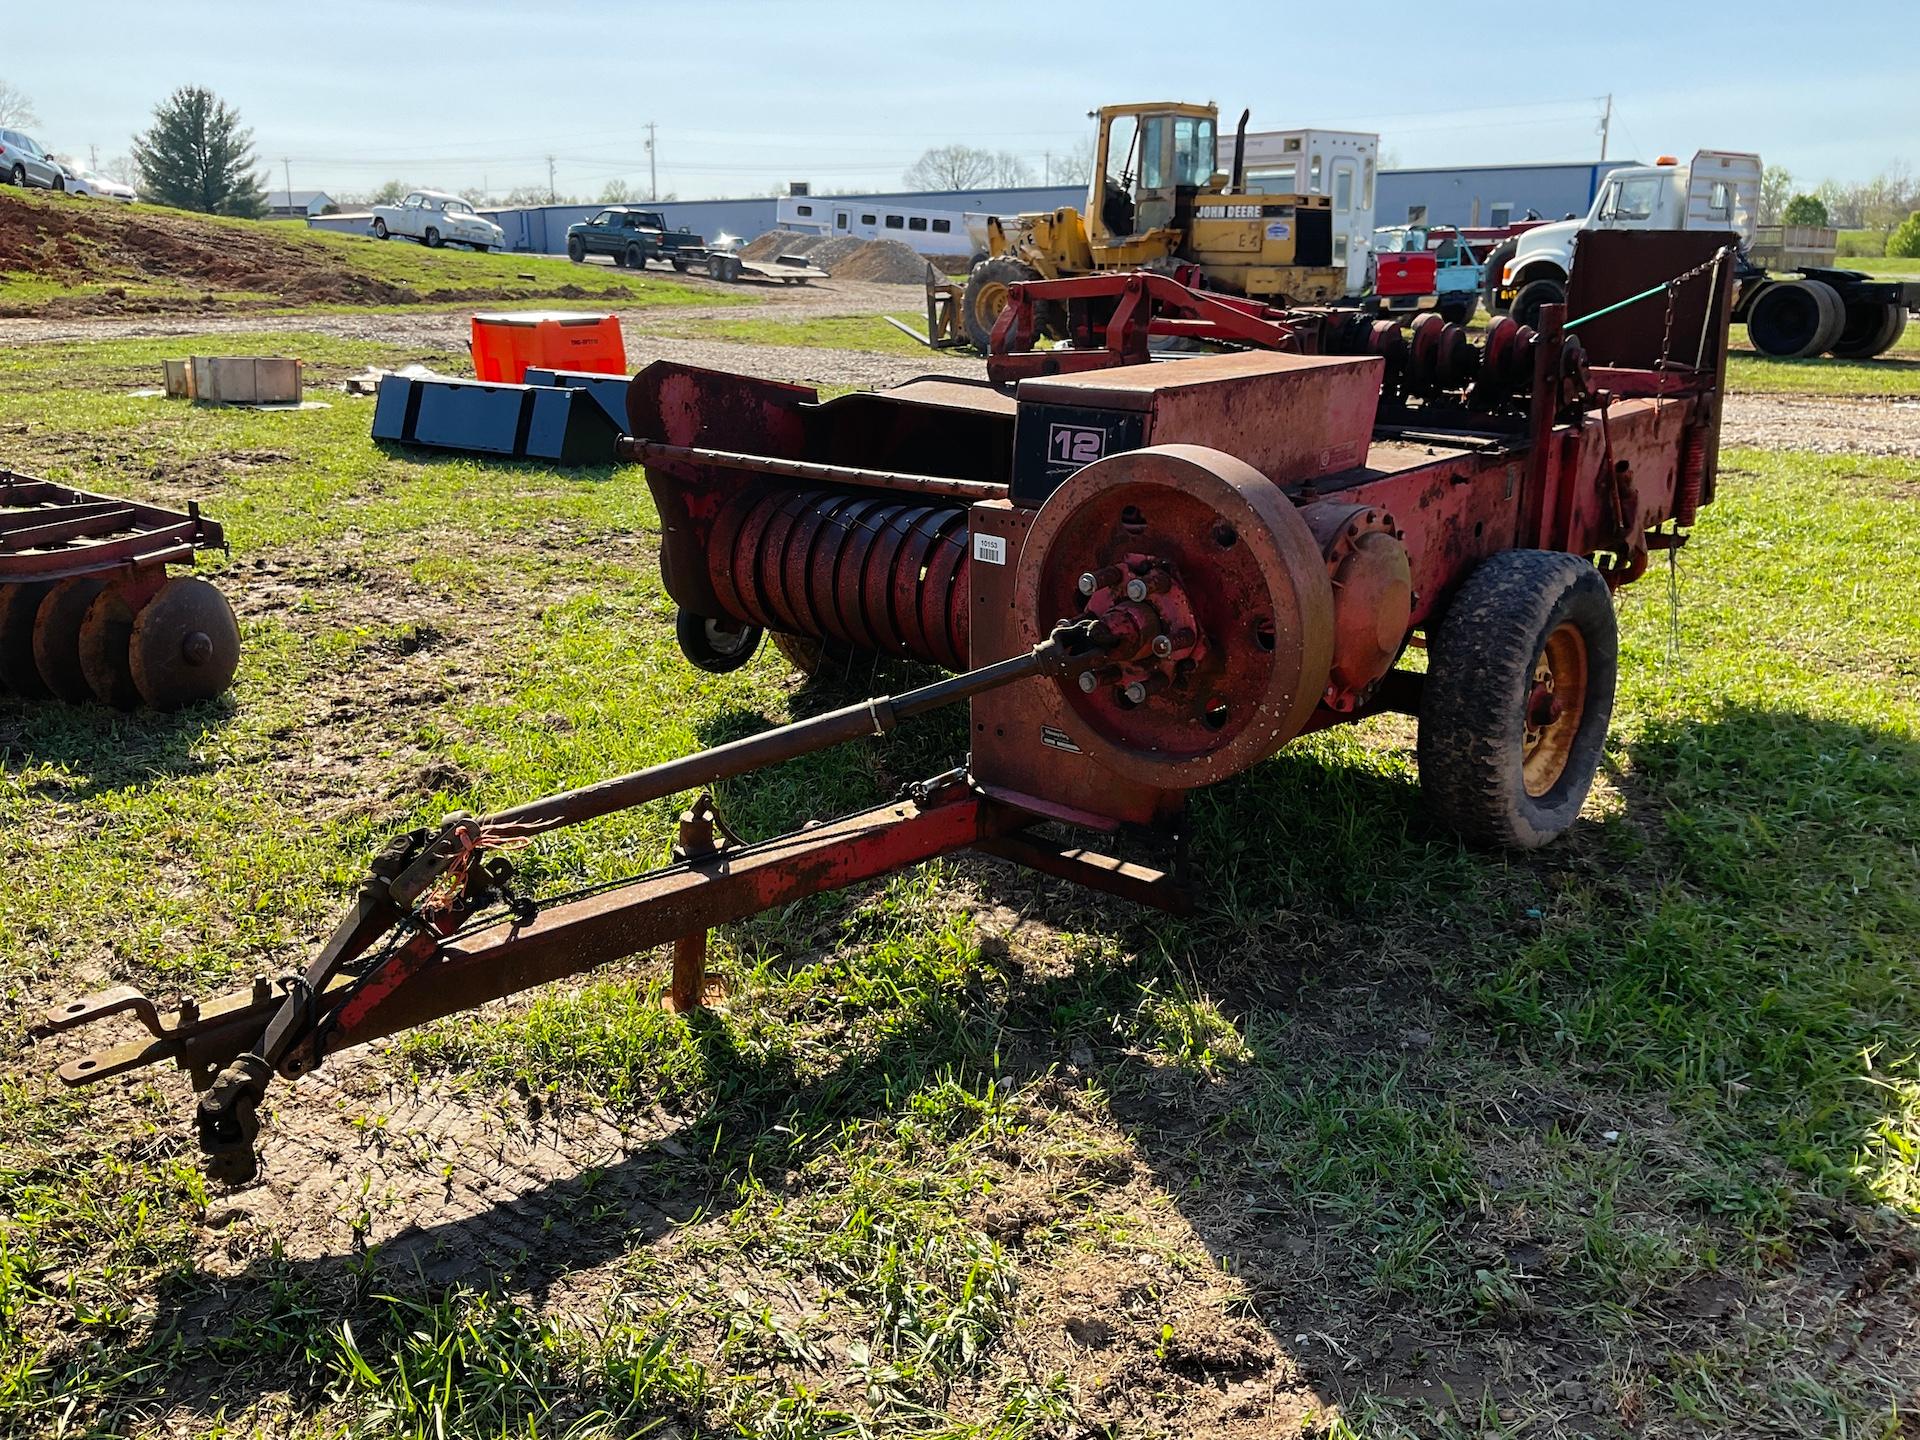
422	938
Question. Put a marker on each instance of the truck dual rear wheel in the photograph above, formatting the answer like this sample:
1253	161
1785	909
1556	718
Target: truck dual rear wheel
1793	319
1528	300
1871	328
1517	697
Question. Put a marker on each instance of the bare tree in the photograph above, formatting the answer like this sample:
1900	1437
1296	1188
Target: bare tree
617	192
951	167
1074	166
1776	184
16	108
1010	170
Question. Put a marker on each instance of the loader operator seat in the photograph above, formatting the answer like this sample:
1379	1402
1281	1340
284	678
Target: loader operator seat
1116	210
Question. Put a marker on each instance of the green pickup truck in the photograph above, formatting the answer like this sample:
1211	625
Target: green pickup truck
633	237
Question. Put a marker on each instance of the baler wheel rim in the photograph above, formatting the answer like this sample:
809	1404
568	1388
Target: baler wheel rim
1555	707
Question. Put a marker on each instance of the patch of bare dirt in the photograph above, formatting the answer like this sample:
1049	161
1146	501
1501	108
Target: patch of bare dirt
1825	424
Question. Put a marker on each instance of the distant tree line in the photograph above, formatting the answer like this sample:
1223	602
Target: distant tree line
1880	206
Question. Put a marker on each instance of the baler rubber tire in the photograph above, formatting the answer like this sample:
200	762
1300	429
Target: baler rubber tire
704	650
1481	677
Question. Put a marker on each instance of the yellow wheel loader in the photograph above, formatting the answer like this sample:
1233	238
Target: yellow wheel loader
1156	201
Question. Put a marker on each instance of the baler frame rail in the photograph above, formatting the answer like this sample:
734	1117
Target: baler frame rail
446	928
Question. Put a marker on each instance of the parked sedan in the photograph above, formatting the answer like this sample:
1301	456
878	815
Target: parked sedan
82	181
23	162
437	219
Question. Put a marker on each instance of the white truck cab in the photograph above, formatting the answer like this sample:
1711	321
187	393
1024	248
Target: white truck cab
1718	190
1843	312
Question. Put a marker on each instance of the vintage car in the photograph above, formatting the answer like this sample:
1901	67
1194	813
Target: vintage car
437	219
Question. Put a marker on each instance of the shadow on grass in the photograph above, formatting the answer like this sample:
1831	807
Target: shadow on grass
1410	1150
96	748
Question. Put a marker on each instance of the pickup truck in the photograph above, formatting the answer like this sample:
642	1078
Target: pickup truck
435	218
1810	309
633	237
1414	270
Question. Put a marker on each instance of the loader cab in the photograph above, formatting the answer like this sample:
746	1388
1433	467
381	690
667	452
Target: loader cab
1151	161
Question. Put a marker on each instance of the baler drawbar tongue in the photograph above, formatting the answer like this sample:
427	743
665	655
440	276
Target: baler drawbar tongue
401	955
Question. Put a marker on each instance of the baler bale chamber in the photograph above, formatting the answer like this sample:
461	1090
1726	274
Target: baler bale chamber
1306	517
1151	576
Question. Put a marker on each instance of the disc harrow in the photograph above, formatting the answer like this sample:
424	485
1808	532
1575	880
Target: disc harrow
88	610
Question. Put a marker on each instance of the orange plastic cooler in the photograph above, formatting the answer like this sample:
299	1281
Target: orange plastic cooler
504	345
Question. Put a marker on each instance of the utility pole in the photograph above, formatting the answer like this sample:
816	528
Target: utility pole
653	166
550	190
1046	167
1606	124
286	169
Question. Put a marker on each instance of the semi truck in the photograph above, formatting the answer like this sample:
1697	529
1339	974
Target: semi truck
1794	302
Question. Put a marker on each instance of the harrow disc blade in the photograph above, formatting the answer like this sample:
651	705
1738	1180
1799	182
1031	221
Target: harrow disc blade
56	636
18	605
185	645
104	636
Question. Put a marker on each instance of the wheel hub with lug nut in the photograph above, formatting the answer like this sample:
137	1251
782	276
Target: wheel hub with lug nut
1554	708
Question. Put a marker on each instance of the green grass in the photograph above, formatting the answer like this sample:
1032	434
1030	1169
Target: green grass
967	1154
1896	373
838	332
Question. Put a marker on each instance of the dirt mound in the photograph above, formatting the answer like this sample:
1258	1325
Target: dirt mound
82	243
887	261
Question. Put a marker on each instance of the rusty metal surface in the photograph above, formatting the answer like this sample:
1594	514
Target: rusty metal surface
54	532
1246	610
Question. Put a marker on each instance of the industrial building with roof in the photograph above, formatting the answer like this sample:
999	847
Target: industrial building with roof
1450	195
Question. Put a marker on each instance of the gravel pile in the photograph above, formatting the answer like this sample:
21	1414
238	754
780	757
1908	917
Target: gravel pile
782	242
887	261
830	253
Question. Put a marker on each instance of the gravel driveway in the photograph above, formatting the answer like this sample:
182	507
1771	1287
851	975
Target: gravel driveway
1827	424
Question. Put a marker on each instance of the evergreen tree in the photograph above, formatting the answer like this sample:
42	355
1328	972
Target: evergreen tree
198	157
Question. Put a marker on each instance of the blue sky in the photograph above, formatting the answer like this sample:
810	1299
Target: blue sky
751	93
